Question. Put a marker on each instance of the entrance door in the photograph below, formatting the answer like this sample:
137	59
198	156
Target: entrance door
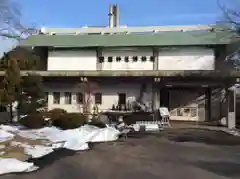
164	97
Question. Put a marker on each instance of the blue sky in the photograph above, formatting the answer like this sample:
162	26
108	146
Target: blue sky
69	13
76	13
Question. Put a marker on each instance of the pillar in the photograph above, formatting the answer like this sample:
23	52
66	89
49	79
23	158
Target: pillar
155	89
231	103
155	94
99	54
155	59
209	104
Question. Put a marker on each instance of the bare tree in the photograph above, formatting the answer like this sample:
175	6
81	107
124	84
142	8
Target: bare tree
11	25
231	17
231	14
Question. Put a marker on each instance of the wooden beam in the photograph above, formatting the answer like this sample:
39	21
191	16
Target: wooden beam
125	29
135	73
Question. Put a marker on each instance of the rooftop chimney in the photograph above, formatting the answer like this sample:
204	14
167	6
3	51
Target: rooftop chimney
116	16
114	19
111	16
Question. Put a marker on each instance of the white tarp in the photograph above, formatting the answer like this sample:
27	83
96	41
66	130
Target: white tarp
5	136
73	139
8	128
39	133
12	165
37	151
13	129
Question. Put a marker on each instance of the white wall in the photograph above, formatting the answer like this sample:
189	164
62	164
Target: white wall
122	65
178	99
189	58
109	96
186	59
74	107
72	60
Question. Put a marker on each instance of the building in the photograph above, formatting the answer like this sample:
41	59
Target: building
180	67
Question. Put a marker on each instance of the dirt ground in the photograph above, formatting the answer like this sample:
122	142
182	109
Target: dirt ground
14	151
171	154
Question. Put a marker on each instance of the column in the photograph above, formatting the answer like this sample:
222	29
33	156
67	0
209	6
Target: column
155	94
155	86
231	103
155	58
99	54
209	104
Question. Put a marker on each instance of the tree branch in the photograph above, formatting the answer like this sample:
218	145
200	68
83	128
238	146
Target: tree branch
10	21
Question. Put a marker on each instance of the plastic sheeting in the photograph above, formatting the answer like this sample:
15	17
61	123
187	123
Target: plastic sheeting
11	165
39	133
13	129
5	136
37	151
74	139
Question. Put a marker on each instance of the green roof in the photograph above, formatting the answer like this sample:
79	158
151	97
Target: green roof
116	40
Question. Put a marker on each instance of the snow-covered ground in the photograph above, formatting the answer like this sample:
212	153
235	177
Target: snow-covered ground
73	139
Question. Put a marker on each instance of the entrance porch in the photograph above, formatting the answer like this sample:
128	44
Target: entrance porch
187	98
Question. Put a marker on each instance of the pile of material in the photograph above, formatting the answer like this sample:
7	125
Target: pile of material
40	142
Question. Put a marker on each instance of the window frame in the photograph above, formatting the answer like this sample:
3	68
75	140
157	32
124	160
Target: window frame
96	100
58	96
65	98
125	99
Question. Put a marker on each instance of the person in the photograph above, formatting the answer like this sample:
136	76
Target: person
121	124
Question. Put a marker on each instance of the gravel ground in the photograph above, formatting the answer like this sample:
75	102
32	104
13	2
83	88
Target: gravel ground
171	154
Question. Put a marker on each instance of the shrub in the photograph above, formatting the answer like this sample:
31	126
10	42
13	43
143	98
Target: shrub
98	123
33	121
56	113
69	121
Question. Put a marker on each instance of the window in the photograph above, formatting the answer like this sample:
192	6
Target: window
122	98
56	98
118	59
80	98
100	59
110	59
144	59
135	58
98	98
152	59
126	59
68	97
